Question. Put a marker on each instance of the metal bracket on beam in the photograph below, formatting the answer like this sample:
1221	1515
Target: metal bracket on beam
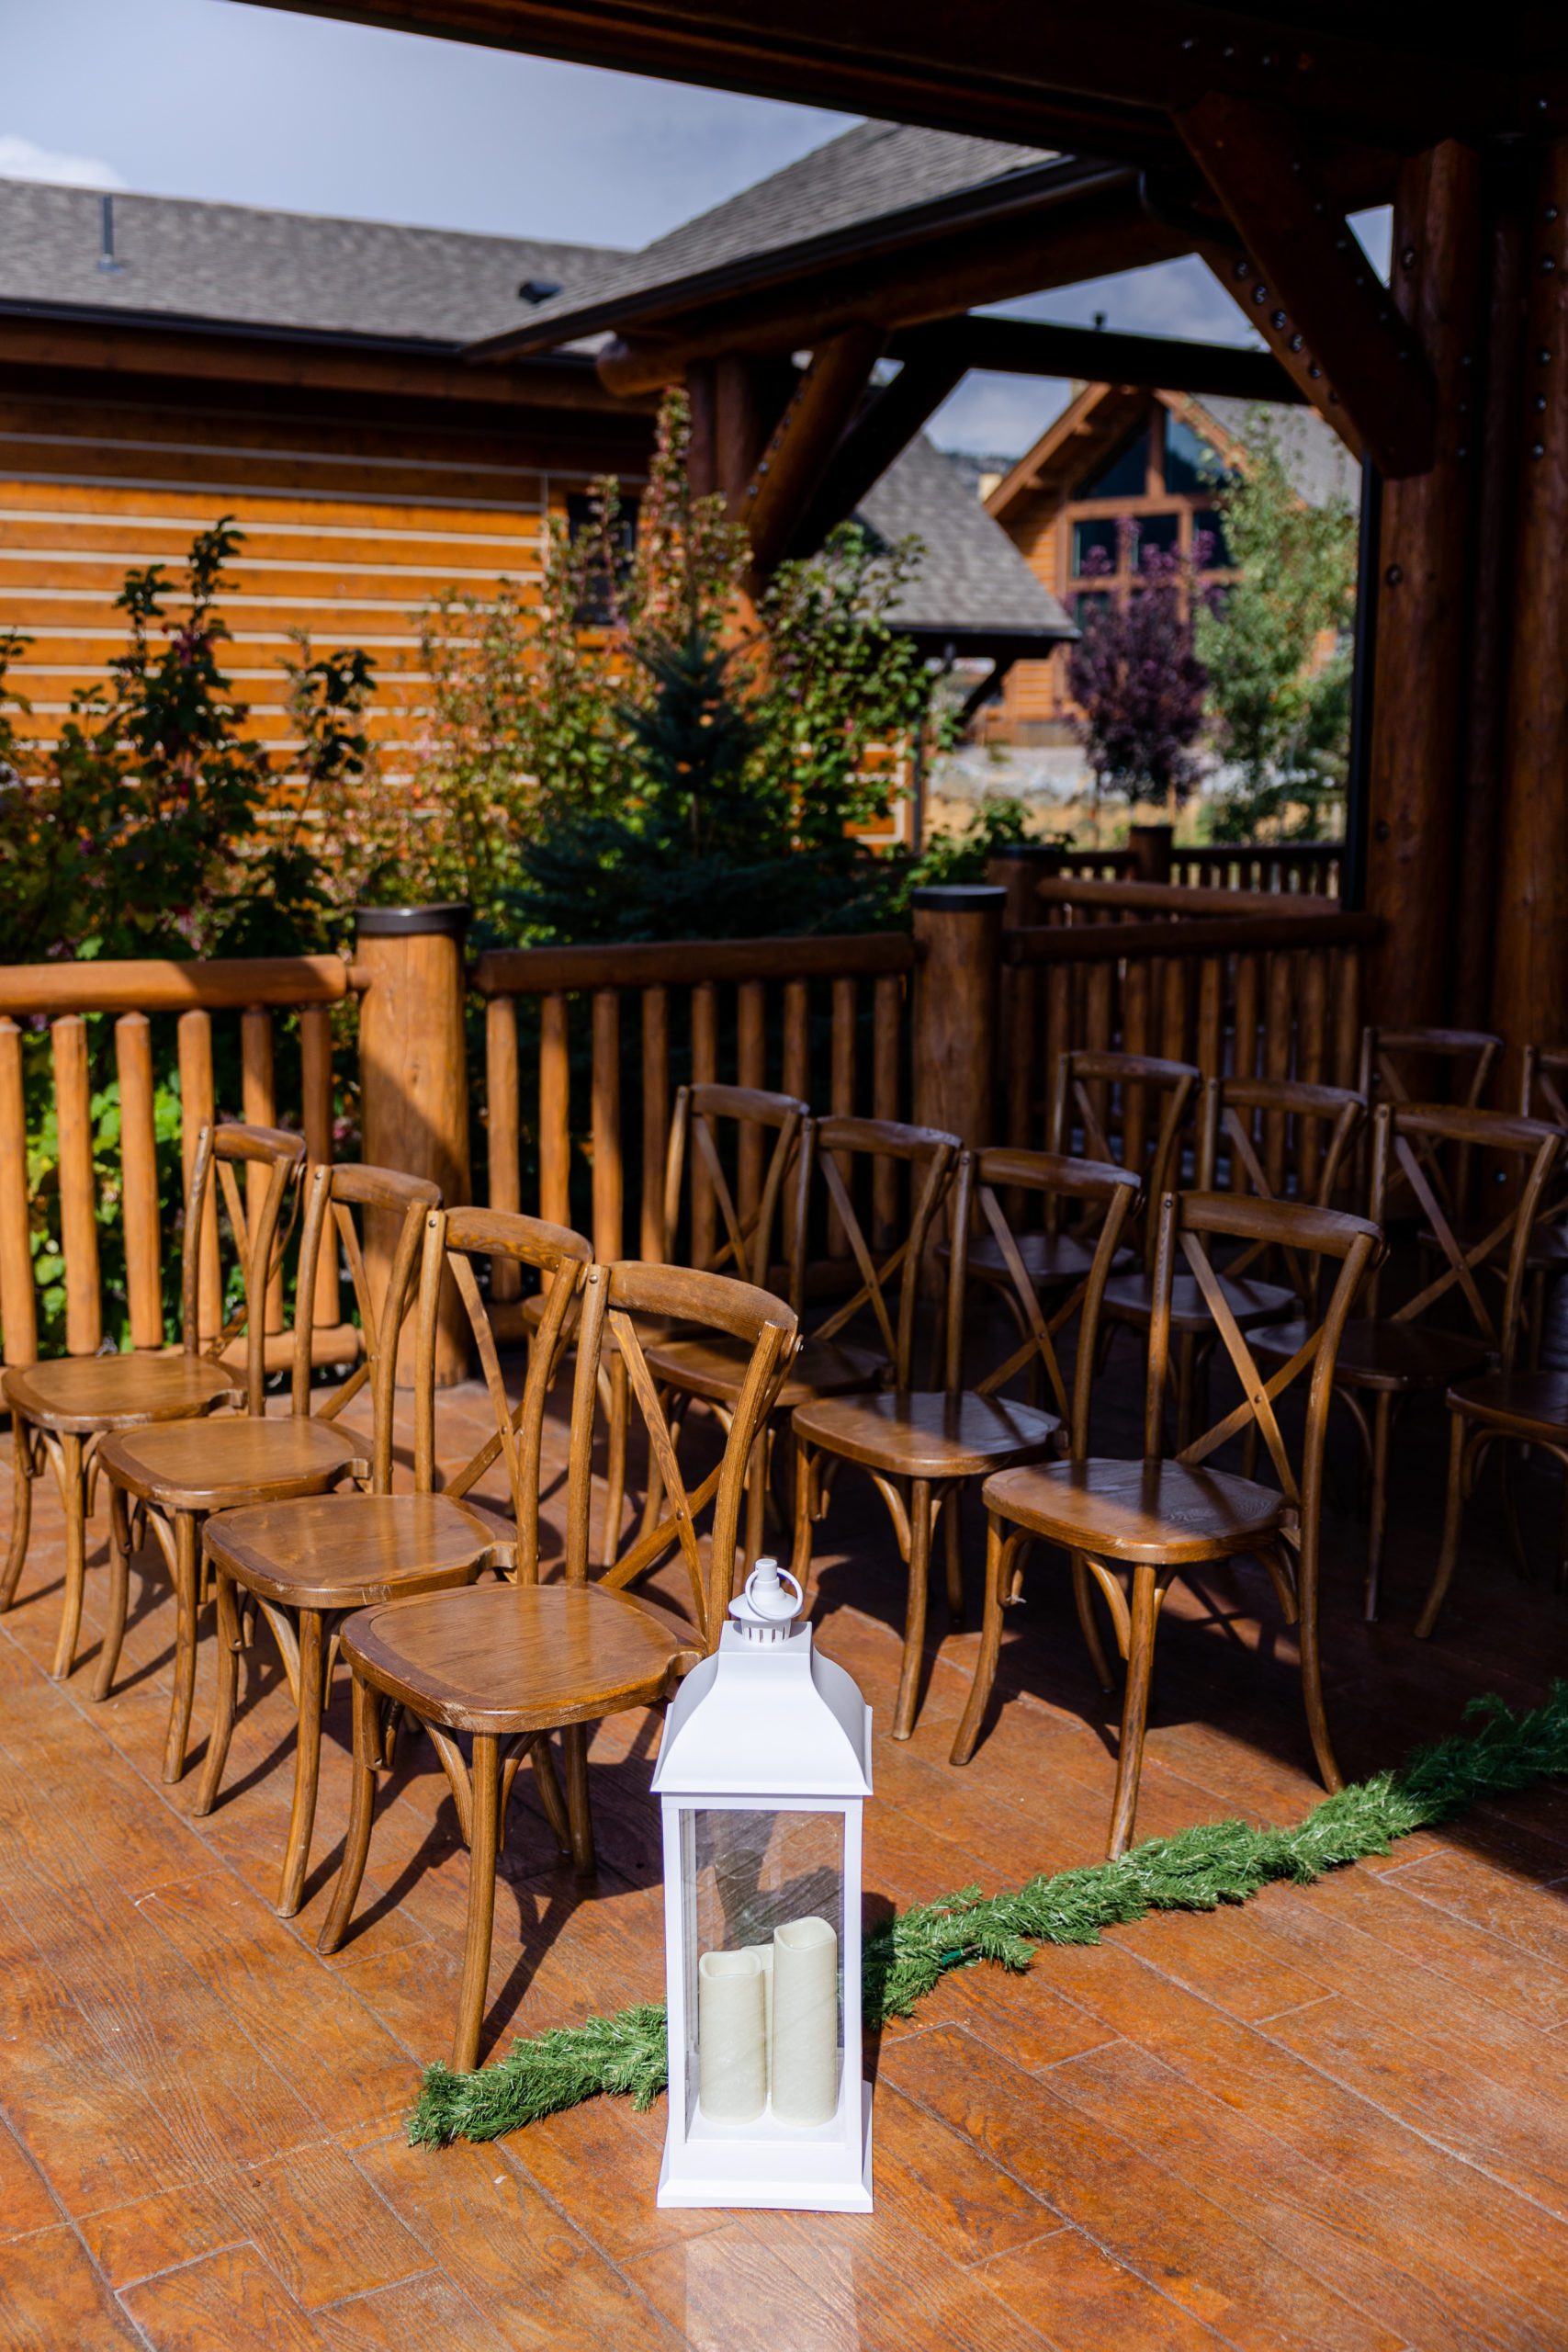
1305	285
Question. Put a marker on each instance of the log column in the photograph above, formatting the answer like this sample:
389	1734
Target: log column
1423	605
958	935
1529	984
414	1081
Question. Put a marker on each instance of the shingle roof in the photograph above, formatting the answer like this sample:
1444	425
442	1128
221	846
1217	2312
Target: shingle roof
1318	465
876	172
230	262
972	581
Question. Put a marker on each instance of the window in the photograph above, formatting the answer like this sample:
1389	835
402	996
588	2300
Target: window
597	607
1094	545
1127	475
1157	531
1089	606
1190	464
1208	524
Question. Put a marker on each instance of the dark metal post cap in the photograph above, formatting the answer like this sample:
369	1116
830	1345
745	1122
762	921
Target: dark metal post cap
958	898
447	921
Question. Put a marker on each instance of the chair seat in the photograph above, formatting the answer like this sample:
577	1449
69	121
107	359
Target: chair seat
1137	1510
235	1459
715	1368
1051	1260
916	1434
78	1395
1383	1355
508	1657
346	1551
1129	1298
1521	1403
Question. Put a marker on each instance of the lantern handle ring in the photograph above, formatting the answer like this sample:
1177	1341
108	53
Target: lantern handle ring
764	1610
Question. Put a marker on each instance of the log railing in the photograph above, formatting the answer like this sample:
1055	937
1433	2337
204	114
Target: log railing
1074	899
1310	869
162	1017
585	1046
1275	996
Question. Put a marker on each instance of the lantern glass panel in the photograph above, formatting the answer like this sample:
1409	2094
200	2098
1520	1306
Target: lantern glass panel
762	1944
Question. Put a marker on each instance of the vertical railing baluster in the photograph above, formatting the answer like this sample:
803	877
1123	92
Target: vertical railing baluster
886	1060
704	1072
605	1113
138	1181
316	1118
555	1112
842	1095
258	1098
78	1193
752	1071
195	1049
18	1301
503	1116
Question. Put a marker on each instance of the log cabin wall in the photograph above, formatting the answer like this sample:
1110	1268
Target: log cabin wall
358	509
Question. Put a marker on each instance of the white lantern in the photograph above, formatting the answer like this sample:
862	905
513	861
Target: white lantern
763	1771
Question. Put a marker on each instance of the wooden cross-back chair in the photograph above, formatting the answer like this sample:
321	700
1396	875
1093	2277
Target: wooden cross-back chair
1283	1139
62	1410
1543	1094
1392	1058
171	1476
1158	1519
1388	1358
506	1664
839	1156
922	1447
306	1564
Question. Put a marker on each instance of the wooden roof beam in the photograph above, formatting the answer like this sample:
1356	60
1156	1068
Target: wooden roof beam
884	428
1301	278
791	469
1040	347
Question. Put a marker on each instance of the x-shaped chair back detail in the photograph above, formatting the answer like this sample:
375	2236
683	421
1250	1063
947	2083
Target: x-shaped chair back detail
832	1147
705	1117
1407	1139
257	1241
453	1240
332	1195
1286	1141
1087	1081
1469	1055
1110	1194
614	1298
1187	1224
1544	1091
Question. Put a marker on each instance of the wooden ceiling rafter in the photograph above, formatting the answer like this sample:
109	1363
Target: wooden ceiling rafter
1041	347
800	449
882	429
1302	279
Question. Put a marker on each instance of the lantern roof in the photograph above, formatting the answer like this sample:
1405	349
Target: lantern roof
773	1720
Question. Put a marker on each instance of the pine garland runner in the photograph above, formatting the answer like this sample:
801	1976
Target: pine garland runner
1196	1869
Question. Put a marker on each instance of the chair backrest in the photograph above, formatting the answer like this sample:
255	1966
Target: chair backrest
454	1240
1285	1139
1426	1065
1543	1089
614	1297
333	1194
1097	1093
732	1226
1112	1194
837	1152
255	1238
1187	1224
1407	1142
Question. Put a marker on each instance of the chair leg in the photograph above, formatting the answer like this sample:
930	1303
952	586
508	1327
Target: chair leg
1451	1515
185	1613
485	1783
952	1538
229	1647
1134	1708
579	1812
909	1698
546	1780
1312	1669
1083	1595
966	1738
368	1751
73	1494
120	1592
21	1508
614	1461
307	1761
1382	1413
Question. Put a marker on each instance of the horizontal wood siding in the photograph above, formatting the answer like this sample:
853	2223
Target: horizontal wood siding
352	526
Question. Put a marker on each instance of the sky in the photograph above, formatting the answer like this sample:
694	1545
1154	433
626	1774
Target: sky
216	99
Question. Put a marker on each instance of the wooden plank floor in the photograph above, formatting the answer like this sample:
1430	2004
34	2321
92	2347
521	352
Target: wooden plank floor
1335	2121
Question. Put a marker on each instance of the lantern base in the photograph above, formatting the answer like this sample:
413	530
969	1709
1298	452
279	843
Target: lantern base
737	2172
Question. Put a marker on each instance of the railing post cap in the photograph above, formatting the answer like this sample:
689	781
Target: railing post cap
448	921
958	898
1025	849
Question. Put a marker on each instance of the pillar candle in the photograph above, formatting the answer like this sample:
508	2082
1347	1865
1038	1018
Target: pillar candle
732	2046
806	2023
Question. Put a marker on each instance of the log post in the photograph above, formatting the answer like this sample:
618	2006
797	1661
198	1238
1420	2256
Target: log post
414	1081
1015	867
1423	602
958	937
1151	845
1529	984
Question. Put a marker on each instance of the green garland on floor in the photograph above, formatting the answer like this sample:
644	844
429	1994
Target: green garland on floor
1199	1868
